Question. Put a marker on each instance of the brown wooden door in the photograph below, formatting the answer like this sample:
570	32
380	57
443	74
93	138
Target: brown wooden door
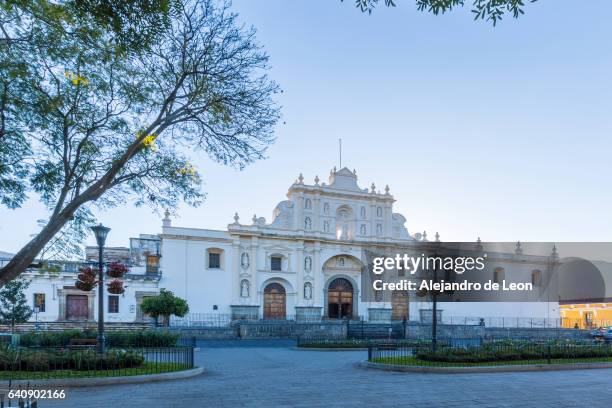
399	305
275	301
340	299
77	307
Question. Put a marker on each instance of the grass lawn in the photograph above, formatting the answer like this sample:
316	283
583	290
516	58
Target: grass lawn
146	368
413	361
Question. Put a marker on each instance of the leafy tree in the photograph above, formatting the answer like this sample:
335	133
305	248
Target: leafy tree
14	307
165	305
490	10
102	125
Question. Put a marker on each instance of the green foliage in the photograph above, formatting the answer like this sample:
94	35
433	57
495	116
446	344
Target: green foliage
165	304
51	360
114	338
489	10
14	307
495	352
102	121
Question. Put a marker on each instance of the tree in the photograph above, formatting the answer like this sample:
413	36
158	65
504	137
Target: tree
14	307
489	10
103	125
165	305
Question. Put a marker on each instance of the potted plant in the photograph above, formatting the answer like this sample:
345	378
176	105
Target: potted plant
86	279
116	287
116	270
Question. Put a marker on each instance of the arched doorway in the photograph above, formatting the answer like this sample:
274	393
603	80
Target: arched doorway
275	300
399	305
340	299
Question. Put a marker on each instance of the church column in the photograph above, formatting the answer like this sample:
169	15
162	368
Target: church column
317	273
299	298
373	220
316	208
299	212
233	267
253	266
388	217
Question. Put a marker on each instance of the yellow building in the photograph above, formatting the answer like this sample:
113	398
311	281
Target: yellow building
586	315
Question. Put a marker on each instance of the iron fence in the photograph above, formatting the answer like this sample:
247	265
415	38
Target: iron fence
22	396
46	363
454	353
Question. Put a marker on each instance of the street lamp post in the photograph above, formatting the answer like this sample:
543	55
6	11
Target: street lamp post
100	232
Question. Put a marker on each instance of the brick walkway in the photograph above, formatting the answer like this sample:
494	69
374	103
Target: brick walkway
284	377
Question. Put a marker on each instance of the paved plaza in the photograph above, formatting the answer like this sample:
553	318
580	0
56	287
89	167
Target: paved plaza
282	376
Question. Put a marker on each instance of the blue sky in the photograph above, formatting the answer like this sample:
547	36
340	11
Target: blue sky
502	132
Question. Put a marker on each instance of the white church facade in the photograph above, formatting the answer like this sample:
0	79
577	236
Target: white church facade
304	264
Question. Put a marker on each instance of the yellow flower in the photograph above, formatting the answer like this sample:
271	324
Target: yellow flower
148	141
76	79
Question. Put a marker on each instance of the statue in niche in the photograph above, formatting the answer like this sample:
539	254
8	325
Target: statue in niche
326	226
244	260
307	264
326	208
363	230
307	291
244	288
307	223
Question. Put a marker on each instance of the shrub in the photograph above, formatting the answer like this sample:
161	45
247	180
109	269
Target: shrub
116	338
52	360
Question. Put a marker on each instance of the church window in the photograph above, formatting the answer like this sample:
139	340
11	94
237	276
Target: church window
379	229
276	263
499	274
379	211
536	277
308	204
214	259
326	226
326	208
363	212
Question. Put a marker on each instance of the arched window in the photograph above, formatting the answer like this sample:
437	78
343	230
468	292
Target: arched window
307	224
499	275
308	204
379	229
326	226
379	211
363	212
536	277
326	208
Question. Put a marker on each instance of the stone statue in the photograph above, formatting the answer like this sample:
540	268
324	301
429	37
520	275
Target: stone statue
307	263
244	289
307	291
244	260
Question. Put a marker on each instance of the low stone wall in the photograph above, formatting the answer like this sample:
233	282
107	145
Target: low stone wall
262	329
212	333
423	331
535	333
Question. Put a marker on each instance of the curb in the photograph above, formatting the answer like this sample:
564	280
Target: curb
483	369
98	381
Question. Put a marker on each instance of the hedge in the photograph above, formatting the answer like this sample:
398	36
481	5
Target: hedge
52	360
115	338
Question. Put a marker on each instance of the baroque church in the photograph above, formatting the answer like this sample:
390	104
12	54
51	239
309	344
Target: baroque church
306	263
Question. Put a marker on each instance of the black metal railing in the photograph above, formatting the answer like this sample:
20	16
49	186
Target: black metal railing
46	363
451	353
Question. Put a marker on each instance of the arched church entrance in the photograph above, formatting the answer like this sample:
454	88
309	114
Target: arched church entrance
340	299
275	301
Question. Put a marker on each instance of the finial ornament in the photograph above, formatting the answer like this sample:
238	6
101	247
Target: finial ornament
335	170
437	237
479	244
301	179
555	253
354	172
518	250
373	188
387	189
424	235
166	222
254	218
317	180
236	218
